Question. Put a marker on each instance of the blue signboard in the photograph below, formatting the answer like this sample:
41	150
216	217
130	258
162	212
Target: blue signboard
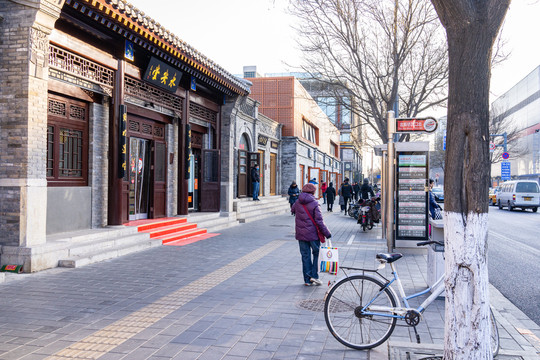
505	170
444	143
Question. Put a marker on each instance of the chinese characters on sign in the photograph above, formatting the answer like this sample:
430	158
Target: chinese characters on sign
162	75
416	125
122	134
412	220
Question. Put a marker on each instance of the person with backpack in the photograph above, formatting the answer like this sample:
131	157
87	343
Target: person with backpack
347	193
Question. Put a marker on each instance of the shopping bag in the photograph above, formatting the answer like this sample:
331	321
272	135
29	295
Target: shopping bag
437	214
328	259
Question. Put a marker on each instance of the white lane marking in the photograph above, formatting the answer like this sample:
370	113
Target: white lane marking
516	243
350	240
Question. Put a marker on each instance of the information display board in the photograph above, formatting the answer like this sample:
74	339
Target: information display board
412	196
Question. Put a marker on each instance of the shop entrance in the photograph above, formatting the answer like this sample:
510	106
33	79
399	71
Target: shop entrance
194	197
139	178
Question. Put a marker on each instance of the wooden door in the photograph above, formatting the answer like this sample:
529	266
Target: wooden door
302	175
210	180
159	183
273	173
243	173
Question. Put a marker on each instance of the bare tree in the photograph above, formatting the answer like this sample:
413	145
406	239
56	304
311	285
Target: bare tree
376	49
471	29
501	122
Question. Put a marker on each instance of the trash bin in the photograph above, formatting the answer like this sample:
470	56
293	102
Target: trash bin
435	255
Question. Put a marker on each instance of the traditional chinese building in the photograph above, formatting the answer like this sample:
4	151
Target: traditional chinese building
105	117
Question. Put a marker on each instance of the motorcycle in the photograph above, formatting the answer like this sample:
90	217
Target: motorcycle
369	213
354	210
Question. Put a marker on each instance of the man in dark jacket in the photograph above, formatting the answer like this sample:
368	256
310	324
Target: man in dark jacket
307	233
356	189
366	190
255	179
346	192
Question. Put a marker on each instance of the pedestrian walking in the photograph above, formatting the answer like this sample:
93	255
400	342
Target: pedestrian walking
340	201
255	180
323	189
346	193
293	192
330	196
309	222
356	189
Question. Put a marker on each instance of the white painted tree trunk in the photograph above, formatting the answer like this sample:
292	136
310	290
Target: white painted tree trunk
467	328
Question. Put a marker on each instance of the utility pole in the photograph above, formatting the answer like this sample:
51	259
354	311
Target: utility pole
390	181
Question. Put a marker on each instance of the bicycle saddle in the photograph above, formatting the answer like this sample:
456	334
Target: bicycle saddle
389	258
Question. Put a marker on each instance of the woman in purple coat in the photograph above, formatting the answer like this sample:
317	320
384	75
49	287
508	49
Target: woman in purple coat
306	232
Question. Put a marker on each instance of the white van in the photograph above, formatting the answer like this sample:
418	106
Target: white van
524	194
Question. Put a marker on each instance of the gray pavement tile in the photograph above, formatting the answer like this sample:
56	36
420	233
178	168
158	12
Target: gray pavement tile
253	336
261	355
158	341
169	350
213	353
227	340
127	346
312	348
242	349
186	337
140	353
19	352
286	352
277	333
186	355
268	344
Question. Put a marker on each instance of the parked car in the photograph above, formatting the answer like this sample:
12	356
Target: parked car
493	195
438	194
523	194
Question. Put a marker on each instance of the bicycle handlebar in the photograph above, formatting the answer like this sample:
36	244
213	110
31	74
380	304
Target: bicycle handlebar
429	242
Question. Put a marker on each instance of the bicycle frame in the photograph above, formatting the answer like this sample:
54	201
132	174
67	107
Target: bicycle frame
400	312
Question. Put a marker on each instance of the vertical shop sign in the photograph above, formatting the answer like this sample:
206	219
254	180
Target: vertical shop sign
122	135
412	196
188	152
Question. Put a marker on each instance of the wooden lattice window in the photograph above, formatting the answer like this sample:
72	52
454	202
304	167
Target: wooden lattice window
67	142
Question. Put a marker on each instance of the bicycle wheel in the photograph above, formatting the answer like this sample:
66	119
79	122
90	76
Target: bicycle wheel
344	316
494	334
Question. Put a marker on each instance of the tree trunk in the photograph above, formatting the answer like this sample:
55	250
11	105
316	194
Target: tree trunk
467	330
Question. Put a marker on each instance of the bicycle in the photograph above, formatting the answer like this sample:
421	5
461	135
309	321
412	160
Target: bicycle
361	310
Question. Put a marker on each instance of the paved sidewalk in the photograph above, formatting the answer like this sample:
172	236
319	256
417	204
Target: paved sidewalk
239	295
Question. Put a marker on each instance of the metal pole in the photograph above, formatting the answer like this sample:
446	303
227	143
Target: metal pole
390	178
384	182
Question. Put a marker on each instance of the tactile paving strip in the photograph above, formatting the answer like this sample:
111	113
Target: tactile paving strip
103	341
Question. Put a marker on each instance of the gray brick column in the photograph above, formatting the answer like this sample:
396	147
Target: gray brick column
25	29
228	121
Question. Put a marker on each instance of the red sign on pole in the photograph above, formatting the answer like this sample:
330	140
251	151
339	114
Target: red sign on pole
416	125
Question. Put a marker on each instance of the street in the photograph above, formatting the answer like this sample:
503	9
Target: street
514	250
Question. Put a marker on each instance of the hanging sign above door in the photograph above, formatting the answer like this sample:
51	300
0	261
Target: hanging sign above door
162	75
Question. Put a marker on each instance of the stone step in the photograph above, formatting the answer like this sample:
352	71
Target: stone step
214	222
168	230
262	210
160	223
81	255
2	277
182	235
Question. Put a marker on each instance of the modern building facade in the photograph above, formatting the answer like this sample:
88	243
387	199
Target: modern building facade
310	142
521	106
337	103
107	117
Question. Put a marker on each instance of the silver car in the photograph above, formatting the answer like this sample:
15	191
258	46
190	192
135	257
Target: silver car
523	194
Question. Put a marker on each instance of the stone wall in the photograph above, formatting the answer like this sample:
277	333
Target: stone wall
23	118
98	167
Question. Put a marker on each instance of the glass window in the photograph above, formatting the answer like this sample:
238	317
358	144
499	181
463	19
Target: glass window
526	187
67	142
345	137
308	132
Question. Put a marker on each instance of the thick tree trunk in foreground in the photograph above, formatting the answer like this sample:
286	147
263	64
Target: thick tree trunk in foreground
471	28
